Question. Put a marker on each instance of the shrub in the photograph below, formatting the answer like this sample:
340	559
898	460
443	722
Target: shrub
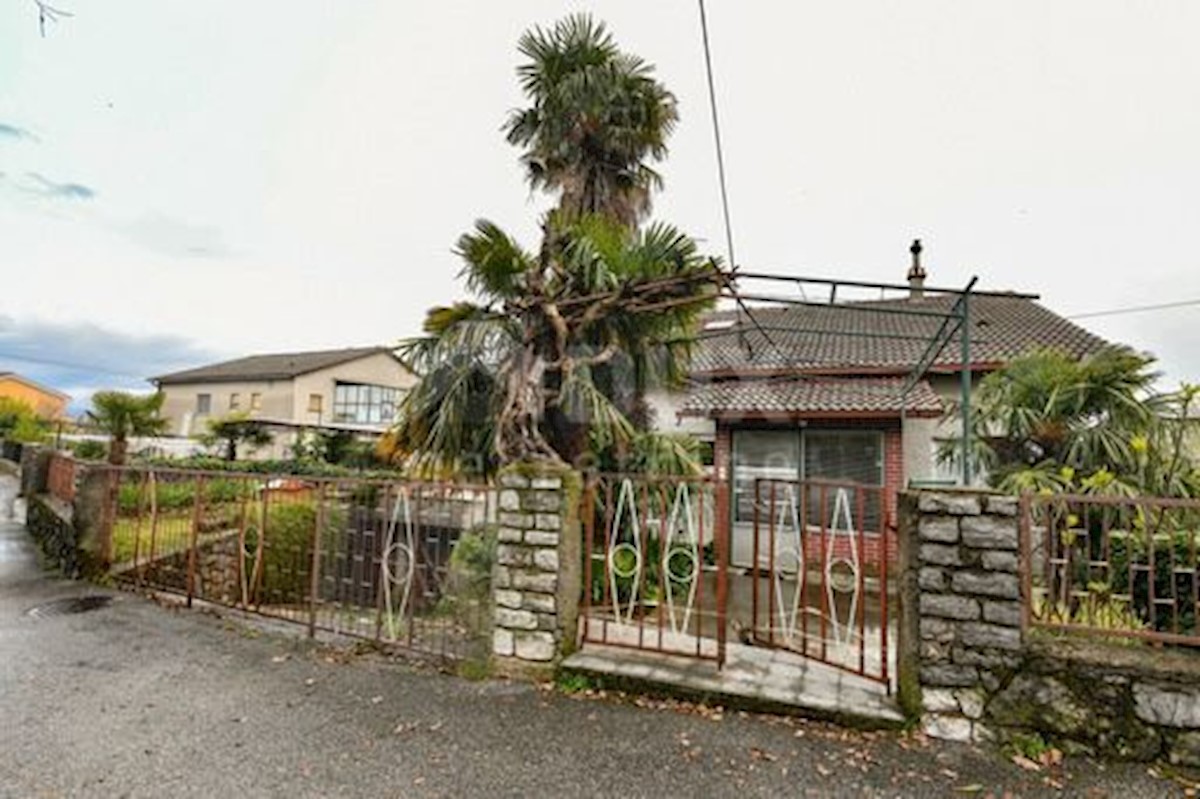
90	450
287	549
178	495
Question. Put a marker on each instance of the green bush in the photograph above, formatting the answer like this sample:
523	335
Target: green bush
287	549
179	495
90	450
296	467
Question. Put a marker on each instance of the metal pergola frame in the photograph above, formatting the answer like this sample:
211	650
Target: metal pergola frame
955	322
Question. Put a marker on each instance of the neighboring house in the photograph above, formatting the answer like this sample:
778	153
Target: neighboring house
821	399
46	402
355	389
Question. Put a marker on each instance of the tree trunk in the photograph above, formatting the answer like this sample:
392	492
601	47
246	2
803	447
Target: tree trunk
117	448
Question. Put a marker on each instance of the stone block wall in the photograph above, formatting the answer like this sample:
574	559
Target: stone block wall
536	579
969	606
970	671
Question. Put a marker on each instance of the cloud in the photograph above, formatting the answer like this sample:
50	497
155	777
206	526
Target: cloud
14	132
82	358
175	237
49	188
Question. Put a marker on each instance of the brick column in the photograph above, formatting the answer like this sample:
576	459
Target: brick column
536	579
961	606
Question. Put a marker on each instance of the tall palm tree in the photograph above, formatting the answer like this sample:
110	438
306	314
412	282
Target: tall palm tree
597	116
536	367
122	415
1048	420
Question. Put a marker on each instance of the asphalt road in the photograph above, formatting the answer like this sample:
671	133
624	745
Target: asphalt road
135	699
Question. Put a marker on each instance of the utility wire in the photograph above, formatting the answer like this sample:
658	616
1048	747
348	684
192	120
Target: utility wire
1135	309
712	102
716	123
13	356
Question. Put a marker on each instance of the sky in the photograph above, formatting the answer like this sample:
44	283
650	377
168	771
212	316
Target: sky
185	181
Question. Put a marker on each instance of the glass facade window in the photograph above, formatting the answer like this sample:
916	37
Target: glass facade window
362	403
256	401
203	404
235	401
843	456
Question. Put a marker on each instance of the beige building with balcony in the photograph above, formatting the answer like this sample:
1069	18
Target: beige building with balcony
356	389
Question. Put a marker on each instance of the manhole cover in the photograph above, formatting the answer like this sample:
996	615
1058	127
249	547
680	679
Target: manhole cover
66	607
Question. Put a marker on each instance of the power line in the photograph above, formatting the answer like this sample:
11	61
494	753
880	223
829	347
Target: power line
1135	309
712	102
12	356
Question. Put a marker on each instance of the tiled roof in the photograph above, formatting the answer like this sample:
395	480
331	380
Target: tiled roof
859	337
811	396
278	366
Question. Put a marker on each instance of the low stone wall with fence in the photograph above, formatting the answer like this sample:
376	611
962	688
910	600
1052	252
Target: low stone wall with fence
974	669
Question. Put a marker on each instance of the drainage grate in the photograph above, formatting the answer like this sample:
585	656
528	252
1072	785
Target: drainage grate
66	607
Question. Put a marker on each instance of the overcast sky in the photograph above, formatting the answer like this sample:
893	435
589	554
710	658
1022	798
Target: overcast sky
185	180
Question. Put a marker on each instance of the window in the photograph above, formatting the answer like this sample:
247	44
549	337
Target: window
793	454
235	401
203	404
360	403
315	403
256	401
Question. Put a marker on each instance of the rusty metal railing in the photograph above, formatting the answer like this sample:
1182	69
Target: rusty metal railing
655	558
822	552
402	563
1120	567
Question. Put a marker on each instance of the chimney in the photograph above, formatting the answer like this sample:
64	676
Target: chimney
916	273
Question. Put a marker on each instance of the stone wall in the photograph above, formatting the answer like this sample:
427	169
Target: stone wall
49	522
536	579
971	672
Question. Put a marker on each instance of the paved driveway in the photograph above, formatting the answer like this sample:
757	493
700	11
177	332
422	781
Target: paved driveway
138	700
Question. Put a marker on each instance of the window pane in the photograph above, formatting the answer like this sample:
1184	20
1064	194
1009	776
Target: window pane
773	454
847	457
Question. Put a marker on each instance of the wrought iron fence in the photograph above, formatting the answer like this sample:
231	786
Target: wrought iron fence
401	563
654	564
821	557
1125	567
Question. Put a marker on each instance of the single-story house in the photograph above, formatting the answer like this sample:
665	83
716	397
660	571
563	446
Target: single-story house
813	392
354	389
46	402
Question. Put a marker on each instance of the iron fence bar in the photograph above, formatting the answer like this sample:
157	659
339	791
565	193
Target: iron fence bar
883	604
755	568
314	576
772	566
860	505
589	549
197	509
721	534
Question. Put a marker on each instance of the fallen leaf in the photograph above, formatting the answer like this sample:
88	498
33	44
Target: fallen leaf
1026	763
279	658
972	788
375	700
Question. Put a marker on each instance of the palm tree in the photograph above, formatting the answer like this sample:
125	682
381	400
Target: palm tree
122	415
597	115
1049	420
543	364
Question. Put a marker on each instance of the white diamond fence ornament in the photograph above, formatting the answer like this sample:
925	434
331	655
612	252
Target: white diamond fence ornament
397	566
787	522
681	558
632	570
846	578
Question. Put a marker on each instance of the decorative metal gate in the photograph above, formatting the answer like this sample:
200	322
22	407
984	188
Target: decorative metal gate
655	554
819	576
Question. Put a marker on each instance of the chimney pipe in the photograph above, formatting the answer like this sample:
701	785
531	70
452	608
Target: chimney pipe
916	273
